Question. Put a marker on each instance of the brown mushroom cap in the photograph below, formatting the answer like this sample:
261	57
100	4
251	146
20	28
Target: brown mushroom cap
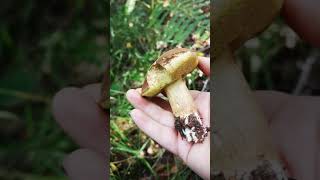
169	67
235	21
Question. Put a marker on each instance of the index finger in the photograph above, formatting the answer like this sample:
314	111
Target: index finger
77	112
204	65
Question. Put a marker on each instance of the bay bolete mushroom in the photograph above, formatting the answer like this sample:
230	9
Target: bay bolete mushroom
166	74
242	143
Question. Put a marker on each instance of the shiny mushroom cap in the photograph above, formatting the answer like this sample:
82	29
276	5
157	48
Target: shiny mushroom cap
169	67
235	21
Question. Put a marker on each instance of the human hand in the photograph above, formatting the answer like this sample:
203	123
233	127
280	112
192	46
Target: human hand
295	127
294	119
78	113
154	117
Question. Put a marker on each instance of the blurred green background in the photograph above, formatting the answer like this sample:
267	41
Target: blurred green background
279	60
44	46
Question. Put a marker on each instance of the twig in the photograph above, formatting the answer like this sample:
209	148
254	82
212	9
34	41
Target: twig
116	91
205	85
123	160
204	49
306	69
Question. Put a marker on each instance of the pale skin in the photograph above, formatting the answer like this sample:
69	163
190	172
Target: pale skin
154	117
294	120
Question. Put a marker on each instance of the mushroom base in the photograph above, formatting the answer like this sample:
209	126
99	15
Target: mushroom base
191	128
265	170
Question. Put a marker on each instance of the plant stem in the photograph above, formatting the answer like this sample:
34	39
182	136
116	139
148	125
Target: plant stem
24	95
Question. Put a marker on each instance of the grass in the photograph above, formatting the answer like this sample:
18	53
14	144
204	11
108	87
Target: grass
44	46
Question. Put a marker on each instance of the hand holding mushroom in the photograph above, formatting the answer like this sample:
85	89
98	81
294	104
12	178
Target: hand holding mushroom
154	116
167	74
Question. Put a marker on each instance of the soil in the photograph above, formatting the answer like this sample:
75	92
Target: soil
193	124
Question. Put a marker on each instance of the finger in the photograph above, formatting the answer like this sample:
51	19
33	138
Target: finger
202	101
85	164
271	102
184	148
204	65
165	136
303	17
81	118
94	91
198	158
159	100
194	93
164	104
154	111
203	104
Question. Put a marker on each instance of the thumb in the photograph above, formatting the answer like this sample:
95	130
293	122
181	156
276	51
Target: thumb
204	65
85	164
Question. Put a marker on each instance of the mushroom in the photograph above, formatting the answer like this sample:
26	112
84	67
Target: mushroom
242	143
167	74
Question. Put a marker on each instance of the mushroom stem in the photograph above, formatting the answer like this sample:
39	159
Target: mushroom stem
242	141
187	119
180	99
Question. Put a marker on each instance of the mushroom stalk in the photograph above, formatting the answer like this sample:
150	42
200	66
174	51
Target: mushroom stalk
187	119
166	74
243	147
180	99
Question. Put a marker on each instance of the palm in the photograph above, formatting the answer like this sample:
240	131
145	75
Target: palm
197	156
154	117
293	122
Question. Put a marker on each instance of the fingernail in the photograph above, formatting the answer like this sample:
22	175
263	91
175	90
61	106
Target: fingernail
139	90
133	114
130	93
